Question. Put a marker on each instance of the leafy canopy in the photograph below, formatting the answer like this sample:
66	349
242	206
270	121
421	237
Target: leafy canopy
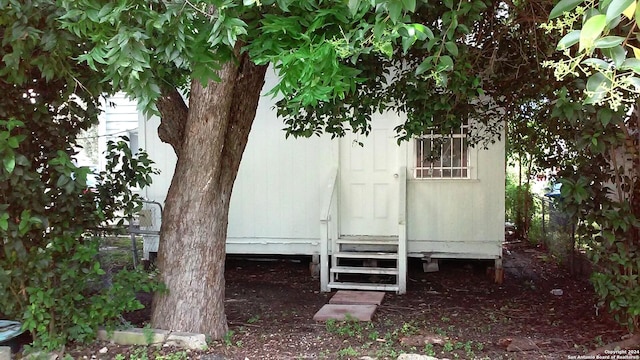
337	61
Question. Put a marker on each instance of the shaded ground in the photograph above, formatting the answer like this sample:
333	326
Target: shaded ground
270	305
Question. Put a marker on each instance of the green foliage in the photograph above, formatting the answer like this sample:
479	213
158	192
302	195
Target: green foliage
602	30
49	267
350	327
347	352
520	206
338	62
600	190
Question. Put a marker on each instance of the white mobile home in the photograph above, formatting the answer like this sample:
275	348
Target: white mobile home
360	210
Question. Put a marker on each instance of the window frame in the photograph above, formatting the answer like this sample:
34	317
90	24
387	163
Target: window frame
465	167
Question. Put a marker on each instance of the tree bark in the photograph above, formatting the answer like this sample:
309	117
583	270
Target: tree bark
192	253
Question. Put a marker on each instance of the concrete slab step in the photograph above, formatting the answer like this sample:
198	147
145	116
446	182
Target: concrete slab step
363	270
344	311
357	297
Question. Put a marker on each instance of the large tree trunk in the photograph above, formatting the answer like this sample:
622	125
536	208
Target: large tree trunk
209	138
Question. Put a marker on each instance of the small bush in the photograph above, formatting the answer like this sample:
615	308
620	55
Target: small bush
49	265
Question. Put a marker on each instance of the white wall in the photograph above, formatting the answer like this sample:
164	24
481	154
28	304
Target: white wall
459	215
275	206
119	118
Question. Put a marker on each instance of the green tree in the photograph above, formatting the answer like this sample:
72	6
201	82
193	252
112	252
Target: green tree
49	271
338	63
601	52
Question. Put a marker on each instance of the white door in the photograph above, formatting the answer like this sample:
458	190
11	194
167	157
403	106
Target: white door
369	181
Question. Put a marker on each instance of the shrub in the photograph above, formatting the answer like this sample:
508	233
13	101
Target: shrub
49	267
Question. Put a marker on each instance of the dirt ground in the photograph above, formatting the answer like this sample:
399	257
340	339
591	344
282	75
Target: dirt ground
456	313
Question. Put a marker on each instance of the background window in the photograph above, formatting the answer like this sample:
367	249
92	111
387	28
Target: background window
443	156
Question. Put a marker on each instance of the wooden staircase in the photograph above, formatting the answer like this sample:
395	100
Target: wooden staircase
366	263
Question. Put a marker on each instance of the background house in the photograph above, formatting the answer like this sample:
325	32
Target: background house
360	211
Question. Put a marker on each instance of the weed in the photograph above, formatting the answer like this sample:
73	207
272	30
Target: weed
429	350
254	319
373	335
598	341
139	353
347	352
409	329
228	337
447	347
180	355
148	333
440	332
468	349
493	317
445	319
350	327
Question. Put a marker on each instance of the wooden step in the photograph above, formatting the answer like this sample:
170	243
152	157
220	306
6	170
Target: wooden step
363	286
365	255
368	240
363	270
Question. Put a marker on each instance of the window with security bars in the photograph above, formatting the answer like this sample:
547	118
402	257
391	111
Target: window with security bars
443	156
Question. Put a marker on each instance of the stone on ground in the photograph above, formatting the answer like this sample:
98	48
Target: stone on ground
422	340
342	312
522	344
5	353
416	357
154	336
357	297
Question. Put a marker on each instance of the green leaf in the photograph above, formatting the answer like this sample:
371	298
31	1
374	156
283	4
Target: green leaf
421	29
424	66
9	162
596	63
597	86
102	14
631	64
395	10
448	3
62	180
283	5
617	54
13	142
409	5
407	42
4	221
354	5
635	82
591	30
452	48
569	40
387	49
446	62
563	6
605	115
608	42
616	8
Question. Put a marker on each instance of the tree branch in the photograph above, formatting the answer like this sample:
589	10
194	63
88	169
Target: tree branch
174	112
